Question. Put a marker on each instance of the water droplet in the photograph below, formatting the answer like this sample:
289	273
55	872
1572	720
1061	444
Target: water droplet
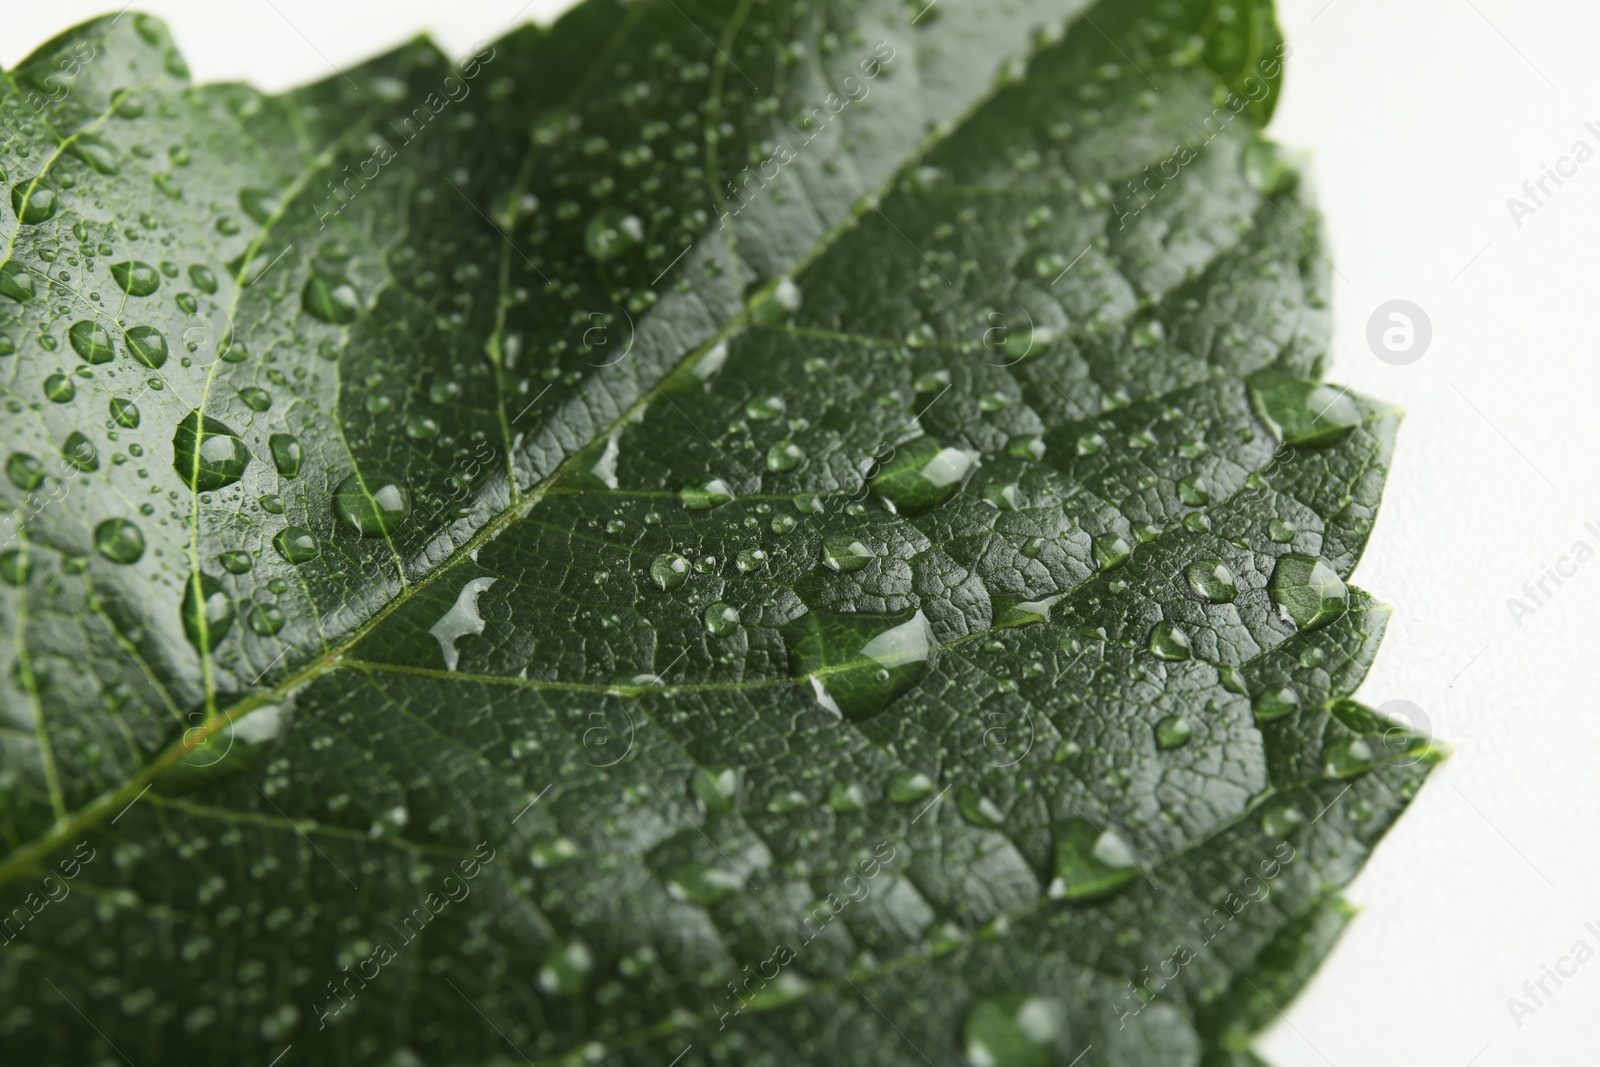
785	456
32	203
285	449
135	277
750	559
259	204
420	427
701	884
1023	612
1192	491
722	619
1090	444
374	505
978	809
119	540
266	619
1280	821
1211	580
845	554
124	412
1111	550
762	410
1281	531
1091	863
669	571
553	852
91	342
1033	546
909	787
1169	641
78	451
716	790
712	494
611	233
566	969
207	454
462	619
856	664
1173	731
922	475
782	524
207	611
1066	750
1308	591
1276	703
295	544
59	389
14	567
147	345
236	562
333	300
25	471
1348	757
1303	412
1014	1031
203	278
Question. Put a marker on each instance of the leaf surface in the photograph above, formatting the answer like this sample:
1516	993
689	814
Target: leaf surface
770	533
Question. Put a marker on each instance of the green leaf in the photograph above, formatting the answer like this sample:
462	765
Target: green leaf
751	532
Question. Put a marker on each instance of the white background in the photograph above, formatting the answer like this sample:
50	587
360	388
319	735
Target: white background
1420	118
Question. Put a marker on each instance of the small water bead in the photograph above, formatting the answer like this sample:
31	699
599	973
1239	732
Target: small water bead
669	571
206	610
711	494
1110	551
331	300
266	619
845	554
1066	750
931	382
1276	703
59	389
1090	862
750	559
1014	1031
1211	580
125	415
611	233
855	663
721	619
1281	821
421	427
14	567
909	787
286	454
1194	491
135	277
272	503
119	540
147	345
979	810
255	398
1307	591
922	475
25	472
1303	412
207	454
92	343
808	504
1173	731
702	884
203	277
236	562
782	524
785	456
295	544
762	410
1170	642
33	203
374	505
1033	546
78	451
552	853
715	790
16	282
1348	757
